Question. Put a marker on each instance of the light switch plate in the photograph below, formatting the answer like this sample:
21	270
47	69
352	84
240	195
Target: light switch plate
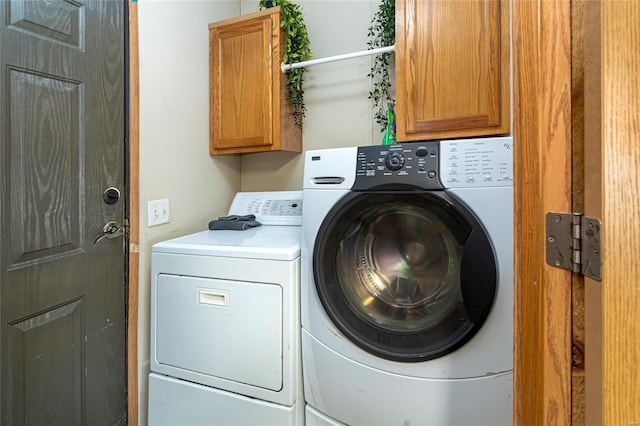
159	212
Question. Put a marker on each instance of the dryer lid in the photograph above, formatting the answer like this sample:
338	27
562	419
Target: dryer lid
264	242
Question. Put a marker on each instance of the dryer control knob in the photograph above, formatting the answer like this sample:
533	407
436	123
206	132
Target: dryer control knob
394	161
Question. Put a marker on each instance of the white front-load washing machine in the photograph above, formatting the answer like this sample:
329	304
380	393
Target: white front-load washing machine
407	284
225	321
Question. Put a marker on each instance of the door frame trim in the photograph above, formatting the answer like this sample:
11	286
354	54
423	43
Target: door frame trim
542	165
133	197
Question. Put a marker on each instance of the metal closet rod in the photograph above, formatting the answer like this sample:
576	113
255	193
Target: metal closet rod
377	51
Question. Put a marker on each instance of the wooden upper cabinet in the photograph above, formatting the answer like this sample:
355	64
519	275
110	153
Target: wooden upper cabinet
452	68
249	108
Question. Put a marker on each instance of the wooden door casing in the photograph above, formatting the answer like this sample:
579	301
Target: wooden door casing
542	148
134	216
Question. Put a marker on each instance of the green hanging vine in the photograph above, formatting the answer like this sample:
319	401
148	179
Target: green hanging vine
382	33
297	49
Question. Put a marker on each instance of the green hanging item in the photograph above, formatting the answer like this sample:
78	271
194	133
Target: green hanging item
389	137
297	48
382	33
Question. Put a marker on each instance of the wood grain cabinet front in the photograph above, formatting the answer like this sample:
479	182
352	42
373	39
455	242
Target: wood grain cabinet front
249	108
452	68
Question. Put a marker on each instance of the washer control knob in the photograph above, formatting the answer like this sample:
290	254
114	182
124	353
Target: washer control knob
394	161
422	151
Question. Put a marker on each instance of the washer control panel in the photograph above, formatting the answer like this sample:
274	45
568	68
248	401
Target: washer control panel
414	164
477	162
457	163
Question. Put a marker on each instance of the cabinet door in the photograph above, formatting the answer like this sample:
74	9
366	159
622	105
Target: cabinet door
242	84
452	68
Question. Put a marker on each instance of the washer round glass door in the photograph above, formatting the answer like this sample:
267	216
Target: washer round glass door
407	276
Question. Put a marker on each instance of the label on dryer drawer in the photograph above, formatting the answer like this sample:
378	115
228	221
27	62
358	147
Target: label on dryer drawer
476	162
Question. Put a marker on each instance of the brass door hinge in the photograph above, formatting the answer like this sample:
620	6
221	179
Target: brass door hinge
573	243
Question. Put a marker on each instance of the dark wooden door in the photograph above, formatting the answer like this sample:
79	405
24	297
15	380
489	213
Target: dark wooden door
62	143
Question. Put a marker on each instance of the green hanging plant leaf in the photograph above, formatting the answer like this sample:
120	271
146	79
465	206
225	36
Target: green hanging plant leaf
382	33
297	49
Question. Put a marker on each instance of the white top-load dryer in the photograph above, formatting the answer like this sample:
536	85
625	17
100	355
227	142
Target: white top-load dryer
225	321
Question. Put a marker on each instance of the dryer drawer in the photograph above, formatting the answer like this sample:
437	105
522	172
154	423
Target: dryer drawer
177	402
227	329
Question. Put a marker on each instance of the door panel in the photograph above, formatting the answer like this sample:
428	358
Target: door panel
47	362
44	166
55	20
62	298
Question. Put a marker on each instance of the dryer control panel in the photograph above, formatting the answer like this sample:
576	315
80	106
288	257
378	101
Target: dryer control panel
270	208
414	164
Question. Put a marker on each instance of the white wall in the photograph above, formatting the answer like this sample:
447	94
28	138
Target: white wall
338	111
174	136
174	120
